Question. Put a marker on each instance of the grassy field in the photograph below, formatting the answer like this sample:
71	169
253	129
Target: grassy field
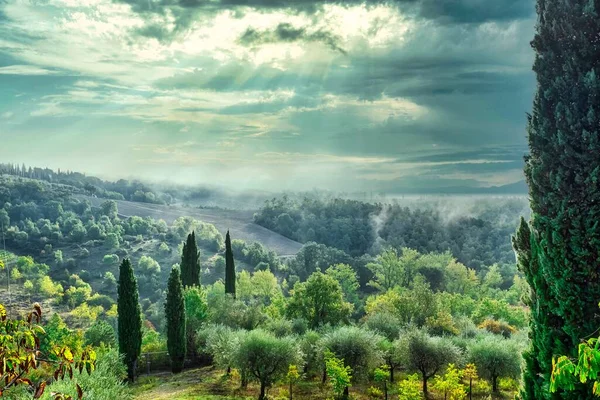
208	383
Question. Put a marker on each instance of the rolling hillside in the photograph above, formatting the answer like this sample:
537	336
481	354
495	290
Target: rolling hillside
239	223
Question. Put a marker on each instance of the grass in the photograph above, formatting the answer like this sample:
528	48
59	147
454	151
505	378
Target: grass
208	383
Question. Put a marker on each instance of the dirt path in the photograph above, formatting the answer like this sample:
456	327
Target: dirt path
239	223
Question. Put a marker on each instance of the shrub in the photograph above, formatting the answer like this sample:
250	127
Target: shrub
106	383
99	334
498	327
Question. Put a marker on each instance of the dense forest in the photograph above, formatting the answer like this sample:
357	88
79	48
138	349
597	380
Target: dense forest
477	233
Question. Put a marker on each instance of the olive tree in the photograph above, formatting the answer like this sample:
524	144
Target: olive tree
358	348
429	355
495	358
266	357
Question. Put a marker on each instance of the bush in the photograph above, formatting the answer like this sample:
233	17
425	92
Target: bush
110	259
279	327
105	383
498	327
99	334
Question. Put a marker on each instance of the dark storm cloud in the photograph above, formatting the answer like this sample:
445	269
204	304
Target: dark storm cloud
442	11
286	33
459	11
475	11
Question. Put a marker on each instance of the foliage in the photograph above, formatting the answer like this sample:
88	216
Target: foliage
319	301
20	354
450	384
348	280
567	373
563	186
229	267
101	333
495	358
130	319
392	269
196	313
176	321
410	388
497	327
428	355
190	262
470	373
292	377
475	240
357	347
340	375
106	383
266	357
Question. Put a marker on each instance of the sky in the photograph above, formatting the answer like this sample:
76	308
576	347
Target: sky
395	96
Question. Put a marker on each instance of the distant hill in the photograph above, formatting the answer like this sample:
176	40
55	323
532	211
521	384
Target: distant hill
517	188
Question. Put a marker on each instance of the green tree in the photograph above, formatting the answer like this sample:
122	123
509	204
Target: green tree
175	317
340	375
388	271
428	355
357	347
190	262
229	267
495	358
450	384
130	318
100	333
266	357
470	373
562	171
348	280
382	374
410	388
196	312
393	354
542	324
319	301
291	378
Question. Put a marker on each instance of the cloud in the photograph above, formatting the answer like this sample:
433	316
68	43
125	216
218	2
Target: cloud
285	32
349	94
25	70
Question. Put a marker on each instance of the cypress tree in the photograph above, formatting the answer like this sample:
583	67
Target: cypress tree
229	267
130	318
190	262
563	173
175	318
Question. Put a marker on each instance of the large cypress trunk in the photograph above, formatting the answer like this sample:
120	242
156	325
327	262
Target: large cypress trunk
563	173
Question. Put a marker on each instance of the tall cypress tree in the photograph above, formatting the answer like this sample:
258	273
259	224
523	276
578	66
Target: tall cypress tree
130	318
190	262
175	318
563	173
229	267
